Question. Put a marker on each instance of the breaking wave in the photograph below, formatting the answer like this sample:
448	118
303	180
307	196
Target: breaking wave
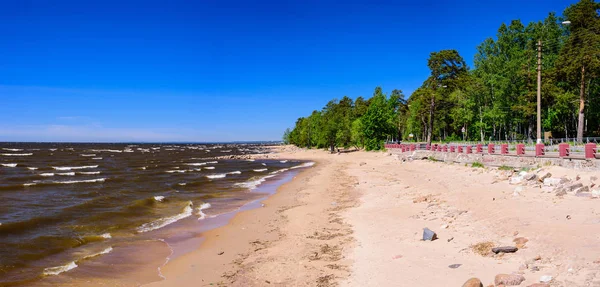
74	167
203	206
60	269
9	164
17	154
160	223
260	170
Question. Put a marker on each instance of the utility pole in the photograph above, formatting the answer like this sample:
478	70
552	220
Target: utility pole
539	93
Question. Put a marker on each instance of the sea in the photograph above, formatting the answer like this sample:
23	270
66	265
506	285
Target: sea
75	211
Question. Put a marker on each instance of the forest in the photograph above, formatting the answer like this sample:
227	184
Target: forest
493	101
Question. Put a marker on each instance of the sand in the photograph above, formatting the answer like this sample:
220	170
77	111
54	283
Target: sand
356	219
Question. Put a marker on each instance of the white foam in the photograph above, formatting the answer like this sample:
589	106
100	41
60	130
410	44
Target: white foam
306	164
89	154
143	168
253	183
107	150
251	159
235	172
159	198
12	149
60	269
182	183
221	175
29	184
73	167
47	174
176	170
9	164
160	223
67	173
79	181
32	168
96	158
264	164
89	172
106	235
283	161
260	170
105	251
209	167
17	154
204	206
52	149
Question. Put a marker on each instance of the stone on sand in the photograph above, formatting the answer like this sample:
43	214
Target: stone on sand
509	279
473	282
429	235
505	249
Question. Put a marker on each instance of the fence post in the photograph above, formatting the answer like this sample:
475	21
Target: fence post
452	148
460	149
520	149
479	148
469	149
491	148
563	150
539	149
590	150
445	148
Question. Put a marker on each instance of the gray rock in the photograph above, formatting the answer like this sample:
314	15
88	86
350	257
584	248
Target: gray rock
505	249
574	186
429	235
530	176
593	178
583	189
454	266
561	192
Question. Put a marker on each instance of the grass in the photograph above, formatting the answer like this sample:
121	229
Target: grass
483	248
506	167
477	164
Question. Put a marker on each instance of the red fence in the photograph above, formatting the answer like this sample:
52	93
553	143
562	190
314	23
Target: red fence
564	149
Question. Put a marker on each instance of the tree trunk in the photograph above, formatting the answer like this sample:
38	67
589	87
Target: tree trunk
581	120
430	129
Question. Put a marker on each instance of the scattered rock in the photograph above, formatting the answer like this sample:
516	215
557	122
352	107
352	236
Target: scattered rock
547	175
505	249
362	163
545	278
529	176
473	282
445	226
420	199
551	181
574	186
450	239
454	266
583	189
515	180
429	235
520	241
508	279
221	253
547	189
593	178
561	192
596	193
515	233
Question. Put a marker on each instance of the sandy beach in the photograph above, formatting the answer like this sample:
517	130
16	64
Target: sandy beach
357	219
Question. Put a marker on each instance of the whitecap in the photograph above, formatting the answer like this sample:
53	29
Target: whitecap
253	183
12	149
264	164
96	158
73	167
59	269
88	154
235	172
176	170
66	173
29	184
47	174
106	235
89	172
17	154
105	251
79	181
209	167
283	161
160	223
9	164
52	149
182	183
212	176
204	206
159	198
251	160
32	168
306	164
260	170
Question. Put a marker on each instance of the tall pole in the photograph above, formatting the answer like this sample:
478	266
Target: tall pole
539	93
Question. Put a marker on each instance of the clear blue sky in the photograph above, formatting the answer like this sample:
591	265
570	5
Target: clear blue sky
218	70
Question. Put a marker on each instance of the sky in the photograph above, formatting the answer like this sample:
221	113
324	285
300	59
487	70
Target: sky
206	71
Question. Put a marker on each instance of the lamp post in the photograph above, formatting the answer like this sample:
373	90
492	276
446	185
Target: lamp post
539	88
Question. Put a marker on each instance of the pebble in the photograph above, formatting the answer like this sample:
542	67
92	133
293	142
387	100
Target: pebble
505	249
473	282
508	279
454	266
429	235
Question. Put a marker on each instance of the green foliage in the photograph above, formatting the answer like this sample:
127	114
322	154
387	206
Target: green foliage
477	164
505	167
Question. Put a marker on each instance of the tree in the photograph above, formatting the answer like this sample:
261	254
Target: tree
446	67
286	136
580	56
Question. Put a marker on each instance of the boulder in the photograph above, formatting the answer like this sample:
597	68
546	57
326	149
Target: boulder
473	282
509	279
551	181
561	192
429	235
505	249
574	186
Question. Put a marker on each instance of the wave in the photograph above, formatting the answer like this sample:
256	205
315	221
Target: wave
12	149
66	181
107	150
209	167
252	184
203	206
213	176
29	184
306	164
96	158
182	183
74	167
105	251
160	223
89	172
264	164
47	174
89	154
66	173
260	170
9	164
159	198
32	168
52	149
250	160
175	170
283	161
17	154
235	172
60	269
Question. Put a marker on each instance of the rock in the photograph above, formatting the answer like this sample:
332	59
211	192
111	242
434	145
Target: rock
551	181
583	189
547	175
420	199
454	266
529	176
473	282
429	235
545	278
505	249
596	193
508	279
362	163
574	186
515	180
520	241
568	217
561	192
593	178
450	239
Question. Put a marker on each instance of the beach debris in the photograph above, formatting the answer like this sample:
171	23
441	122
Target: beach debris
483	248
568	217
505	249
508	279
520	241
450	239
473	282
429	235
454	266
221	253
545	278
